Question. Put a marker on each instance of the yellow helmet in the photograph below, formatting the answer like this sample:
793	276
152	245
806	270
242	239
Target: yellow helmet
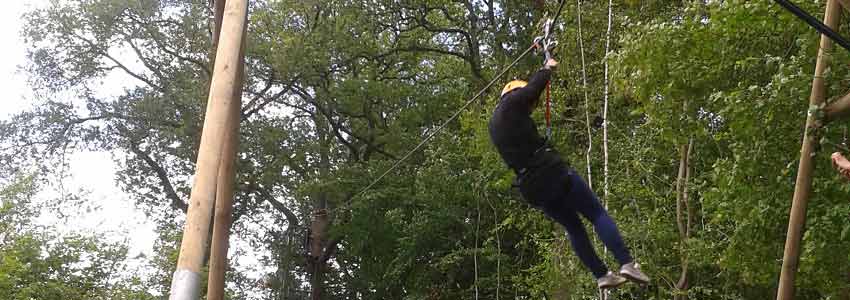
513	85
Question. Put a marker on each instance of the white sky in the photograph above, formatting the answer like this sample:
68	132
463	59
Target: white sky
12	54
91	171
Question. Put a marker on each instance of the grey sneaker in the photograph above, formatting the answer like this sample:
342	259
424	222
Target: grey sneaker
610	281
632	272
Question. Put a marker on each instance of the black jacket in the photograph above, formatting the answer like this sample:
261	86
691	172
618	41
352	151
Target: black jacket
512	130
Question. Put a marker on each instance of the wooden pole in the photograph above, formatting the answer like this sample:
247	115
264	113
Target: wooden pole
803	186
185	284
218	15
224	207
224	187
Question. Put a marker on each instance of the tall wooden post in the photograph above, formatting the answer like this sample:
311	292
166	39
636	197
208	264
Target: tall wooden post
218	16
803	187
223	217
225	81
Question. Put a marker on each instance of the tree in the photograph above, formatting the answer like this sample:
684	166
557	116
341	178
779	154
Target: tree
337	91
38	263
735	69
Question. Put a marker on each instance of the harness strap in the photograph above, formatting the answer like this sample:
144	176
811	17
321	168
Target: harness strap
548	113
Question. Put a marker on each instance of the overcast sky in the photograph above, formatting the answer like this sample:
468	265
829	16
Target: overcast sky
91	171
13	54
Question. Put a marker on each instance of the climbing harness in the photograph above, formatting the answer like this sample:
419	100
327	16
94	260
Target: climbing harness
814	23
548	44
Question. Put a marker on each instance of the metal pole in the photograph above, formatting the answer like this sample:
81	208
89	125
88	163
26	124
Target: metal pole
803	186
185	284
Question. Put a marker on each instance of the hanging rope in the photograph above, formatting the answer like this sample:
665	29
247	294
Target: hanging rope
586	97
558	13
433	133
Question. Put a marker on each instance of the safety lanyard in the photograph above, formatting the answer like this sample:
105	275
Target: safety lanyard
548	113
547	44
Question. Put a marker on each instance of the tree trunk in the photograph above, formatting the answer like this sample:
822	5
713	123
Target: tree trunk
474	45
321	220
605	189
318	237
683	217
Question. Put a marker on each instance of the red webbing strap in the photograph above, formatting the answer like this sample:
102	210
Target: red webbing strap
548	112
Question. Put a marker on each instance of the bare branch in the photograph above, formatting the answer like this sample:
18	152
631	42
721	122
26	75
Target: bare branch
290	216
153	35
247	111
176	202
145	60
838	109
337	127
418	48
97	49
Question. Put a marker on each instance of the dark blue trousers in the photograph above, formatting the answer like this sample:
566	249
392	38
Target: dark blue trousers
563	195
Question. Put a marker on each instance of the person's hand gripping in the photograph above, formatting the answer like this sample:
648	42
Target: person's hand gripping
551	64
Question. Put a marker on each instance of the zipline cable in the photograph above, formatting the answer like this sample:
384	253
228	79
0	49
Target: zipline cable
453	117
558	14
814	22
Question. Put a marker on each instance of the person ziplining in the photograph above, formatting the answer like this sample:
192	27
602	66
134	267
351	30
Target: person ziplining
544	180
547	183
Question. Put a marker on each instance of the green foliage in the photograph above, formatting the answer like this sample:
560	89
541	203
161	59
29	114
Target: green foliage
336	91
37	263
733	75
